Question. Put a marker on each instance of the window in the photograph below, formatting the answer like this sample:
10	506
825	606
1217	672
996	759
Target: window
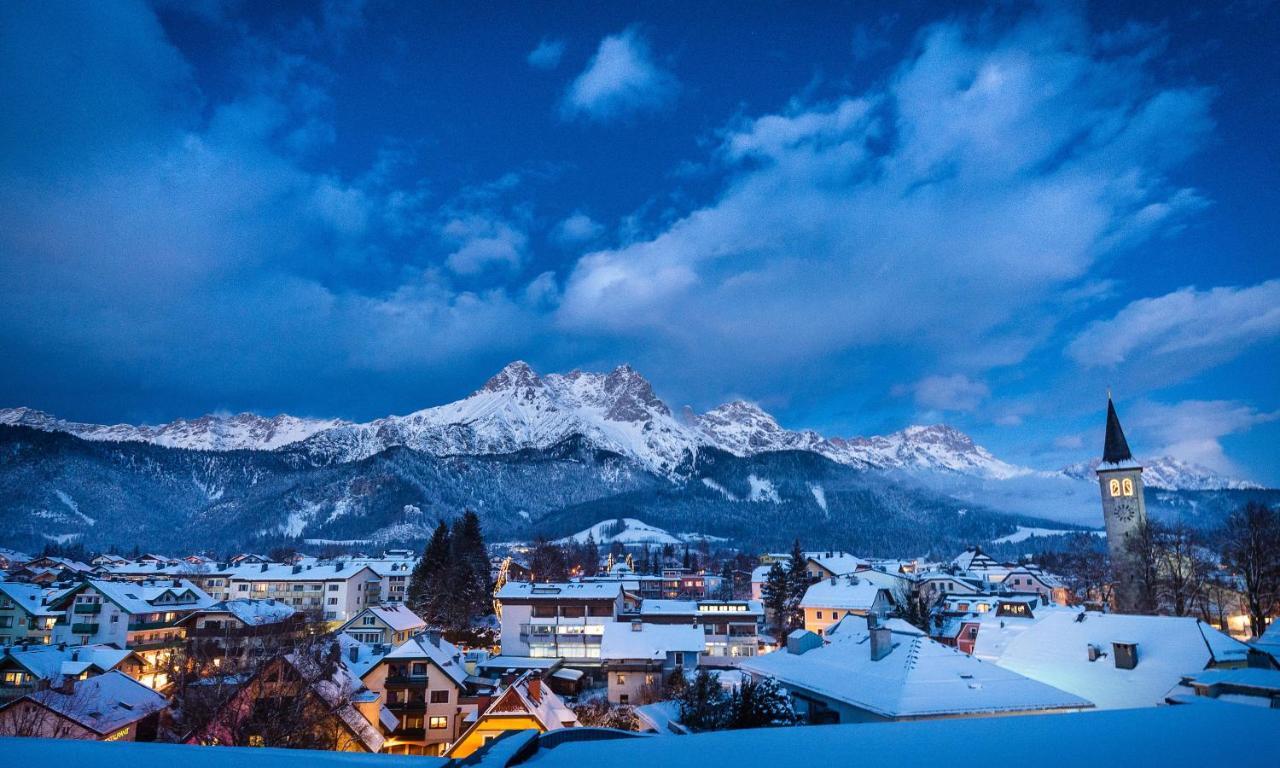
622	679
333	601
819	614
242	587
333	587
418	669
439	722
256	740
1114	487
439	697
369	621
1127	486
624	699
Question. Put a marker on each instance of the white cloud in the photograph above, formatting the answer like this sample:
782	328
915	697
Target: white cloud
943	214
620	79
1184	331
1192	430
547	54
576	229
950	393
483	242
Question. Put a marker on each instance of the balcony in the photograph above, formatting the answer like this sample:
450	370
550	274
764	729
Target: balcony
142	626
84	629
91	608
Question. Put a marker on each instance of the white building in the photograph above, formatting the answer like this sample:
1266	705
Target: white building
564	620
384	625
337	591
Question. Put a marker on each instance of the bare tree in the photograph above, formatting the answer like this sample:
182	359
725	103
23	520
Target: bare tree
1086	569
1251	549
1143	549
1182	568
50	713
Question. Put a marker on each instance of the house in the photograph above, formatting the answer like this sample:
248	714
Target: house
824	565
1116	661
394	567
868	672
830	600
12	558
334	591
24	669
142	616
1033	579
25	615
760	575
932	586
423	684
242	629
108	707
311	697
1251	686
384	624
564	619
731	628
1269	643
638	658
526	704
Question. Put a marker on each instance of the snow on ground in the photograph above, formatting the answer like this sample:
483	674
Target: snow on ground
71	504
762	490
819	495
1023	533
713	485
634	532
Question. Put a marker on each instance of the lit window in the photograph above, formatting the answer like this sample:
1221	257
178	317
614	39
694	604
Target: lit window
1114	487
622	679
1128	486
255	740
439	722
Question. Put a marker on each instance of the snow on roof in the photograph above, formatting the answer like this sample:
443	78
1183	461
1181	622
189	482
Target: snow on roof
1054	649
445	655
339	691
103	704
398	617
46	661
32	598
918	678
854	594
669	607
1247	677
1138	738
336	571
359	657
651	641
838	563
255	613
564	590
760	573
147	596
1269	642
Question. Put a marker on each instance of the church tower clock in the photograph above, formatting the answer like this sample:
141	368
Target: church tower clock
1123	508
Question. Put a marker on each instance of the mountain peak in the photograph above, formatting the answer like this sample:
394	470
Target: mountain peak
514	375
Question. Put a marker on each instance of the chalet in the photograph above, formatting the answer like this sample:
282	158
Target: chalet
830	600
141	616
932	586
868	672
25	669
639	658
423	683
1116	661
1033	579
243	629
384	625
824	565
25	613
12	558
108	707
527	704
564	620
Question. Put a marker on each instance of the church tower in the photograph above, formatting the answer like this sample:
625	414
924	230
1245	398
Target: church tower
1123	508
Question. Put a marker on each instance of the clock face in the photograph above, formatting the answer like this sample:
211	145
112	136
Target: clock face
1126	510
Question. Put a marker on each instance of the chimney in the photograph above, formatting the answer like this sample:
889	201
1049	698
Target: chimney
264	568
1125	654
354	653
433	637
637	626
67	685
881	638
833	581
75	654
297	569
535	689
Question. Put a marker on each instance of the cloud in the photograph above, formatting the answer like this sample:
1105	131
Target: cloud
950	393
1192	430
483	242
622	78
942	215
576	229
1183	332
547	54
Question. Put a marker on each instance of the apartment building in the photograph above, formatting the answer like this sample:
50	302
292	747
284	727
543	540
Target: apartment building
142	616
422	682
25	614
564	619
730	628
335	591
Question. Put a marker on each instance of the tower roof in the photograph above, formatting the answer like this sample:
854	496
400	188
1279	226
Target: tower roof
1115	449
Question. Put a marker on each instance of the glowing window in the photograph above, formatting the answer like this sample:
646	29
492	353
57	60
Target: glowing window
1128	486
1114	487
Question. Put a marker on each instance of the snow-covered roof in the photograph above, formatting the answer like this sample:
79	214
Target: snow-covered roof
563	590
1244	677
359	657
148	596
336	571
669	608
760	573
918	678
340	691
1269	642
1054	648
838	563
32	598
545	706
853	594
104	703
651	641
445	655
254	613
398	617
48	661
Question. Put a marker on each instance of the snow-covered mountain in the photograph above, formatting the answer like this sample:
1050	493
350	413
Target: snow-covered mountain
517	409
212	432
1170	474
631	532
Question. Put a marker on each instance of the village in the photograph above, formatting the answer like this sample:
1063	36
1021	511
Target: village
444	654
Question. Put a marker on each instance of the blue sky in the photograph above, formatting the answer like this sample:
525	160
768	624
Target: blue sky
859	218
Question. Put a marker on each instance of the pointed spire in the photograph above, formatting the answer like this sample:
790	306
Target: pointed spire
1115	449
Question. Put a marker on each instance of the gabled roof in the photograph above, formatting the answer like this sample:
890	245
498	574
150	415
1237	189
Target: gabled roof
339	692
31	598
918	678
1115	449
519	700
146	596
838	563
445	655
652	642
103	704
1053	648
47	662
253	613
398	617
336	571
847	593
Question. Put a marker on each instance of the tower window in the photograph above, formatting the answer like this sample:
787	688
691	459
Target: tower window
1114	487
1127	485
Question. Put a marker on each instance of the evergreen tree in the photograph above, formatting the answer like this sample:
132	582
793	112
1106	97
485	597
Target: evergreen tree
774	596
426	587
704	705
798	582
760	705
590	556
472	595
